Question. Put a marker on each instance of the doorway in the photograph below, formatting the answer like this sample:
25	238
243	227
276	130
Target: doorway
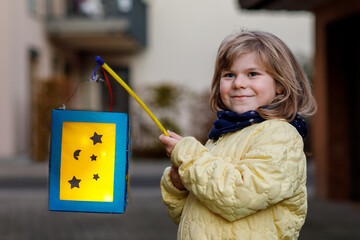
344	108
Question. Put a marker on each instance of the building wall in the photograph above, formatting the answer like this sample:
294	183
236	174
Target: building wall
7	99
24	31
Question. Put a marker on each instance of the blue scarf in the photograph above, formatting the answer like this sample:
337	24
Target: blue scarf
228	122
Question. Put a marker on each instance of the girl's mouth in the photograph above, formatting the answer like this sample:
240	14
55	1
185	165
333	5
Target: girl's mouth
241	96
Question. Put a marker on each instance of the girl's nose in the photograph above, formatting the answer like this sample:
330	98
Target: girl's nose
240	82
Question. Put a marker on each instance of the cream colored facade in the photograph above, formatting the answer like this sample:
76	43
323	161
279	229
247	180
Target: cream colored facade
182	40
184	37
21	31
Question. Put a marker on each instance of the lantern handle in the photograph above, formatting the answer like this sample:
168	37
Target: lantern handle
131	92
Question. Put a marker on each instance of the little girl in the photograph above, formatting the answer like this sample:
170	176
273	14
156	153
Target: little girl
248	181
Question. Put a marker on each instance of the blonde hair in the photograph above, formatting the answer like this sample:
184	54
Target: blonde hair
277	60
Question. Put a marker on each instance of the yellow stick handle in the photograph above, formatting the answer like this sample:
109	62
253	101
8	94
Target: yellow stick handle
131	92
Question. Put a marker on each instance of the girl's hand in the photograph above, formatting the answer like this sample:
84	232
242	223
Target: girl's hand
175	178
169	142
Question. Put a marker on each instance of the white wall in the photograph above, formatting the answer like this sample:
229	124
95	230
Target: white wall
7	126
22	31
183	37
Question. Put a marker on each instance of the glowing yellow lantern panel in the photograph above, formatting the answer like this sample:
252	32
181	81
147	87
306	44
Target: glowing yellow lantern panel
87	161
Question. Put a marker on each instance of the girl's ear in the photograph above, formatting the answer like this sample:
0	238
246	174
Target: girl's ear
278	89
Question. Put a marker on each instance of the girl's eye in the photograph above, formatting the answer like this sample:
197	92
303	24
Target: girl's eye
229	75
252	74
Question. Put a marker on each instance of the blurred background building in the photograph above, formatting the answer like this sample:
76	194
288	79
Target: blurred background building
48	49
165	50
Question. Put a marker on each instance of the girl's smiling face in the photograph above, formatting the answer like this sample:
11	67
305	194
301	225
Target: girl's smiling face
246	85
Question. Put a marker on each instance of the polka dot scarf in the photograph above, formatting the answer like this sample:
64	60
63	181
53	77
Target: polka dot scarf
228	122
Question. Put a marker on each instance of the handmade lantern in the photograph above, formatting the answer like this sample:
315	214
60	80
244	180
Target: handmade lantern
89	156
89	161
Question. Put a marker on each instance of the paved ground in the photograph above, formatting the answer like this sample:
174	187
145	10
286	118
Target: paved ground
24	211
24	214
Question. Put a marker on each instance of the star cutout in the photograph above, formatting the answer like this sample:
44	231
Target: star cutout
93	157
96	177
74	182
96	138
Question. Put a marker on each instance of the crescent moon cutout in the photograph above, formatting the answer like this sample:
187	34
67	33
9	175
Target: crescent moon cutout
76	154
